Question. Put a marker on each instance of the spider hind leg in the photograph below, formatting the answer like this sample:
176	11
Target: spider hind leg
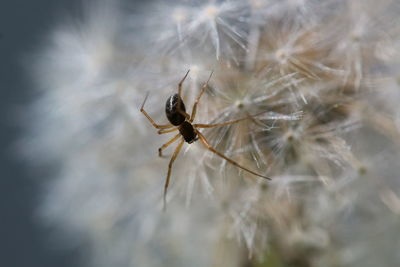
204	141
176	152
170	141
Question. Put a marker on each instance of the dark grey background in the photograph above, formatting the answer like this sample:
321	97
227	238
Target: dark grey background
24	25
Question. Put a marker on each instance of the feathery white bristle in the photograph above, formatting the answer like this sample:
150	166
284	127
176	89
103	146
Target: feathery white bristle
319	84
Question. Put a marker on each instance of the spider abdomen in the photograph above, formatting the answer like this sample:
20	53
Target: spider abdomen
187	131
172	110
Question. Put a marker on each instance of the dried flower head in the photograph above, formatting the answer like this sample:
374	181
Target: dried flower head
323	82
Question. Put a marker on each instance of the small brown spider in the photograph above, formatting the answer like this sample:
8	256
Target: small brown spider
183	122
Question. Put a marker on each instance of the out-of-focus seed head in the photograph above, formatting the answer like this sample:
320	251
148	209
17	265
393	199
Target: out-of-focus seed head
319	82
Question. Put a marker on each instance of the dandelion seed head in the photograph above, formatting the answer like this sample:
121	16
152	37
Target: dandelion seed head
282	55
258	3
210	11
320	117
179	15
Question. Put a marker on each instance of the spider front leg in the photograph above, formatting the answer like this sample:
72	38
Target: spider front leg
181	83
187	116
212	149
176	152
194	109
158	126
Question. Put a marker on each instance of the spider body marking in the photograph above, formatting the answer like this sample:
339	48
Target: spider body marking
181	121
174	108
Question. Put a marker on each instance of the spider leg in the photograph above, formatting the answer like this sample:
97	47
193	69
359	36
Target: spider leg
250	117
187	116
180	84
176	152
164	131
194	109
200	125
212	149
170	141
158	126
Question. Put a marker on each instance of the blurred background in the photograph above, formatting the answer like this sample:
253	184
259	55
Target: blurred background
23	27
334	199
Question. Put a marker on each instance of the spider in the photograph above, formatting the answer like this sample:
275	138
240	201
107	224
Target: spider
188	131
